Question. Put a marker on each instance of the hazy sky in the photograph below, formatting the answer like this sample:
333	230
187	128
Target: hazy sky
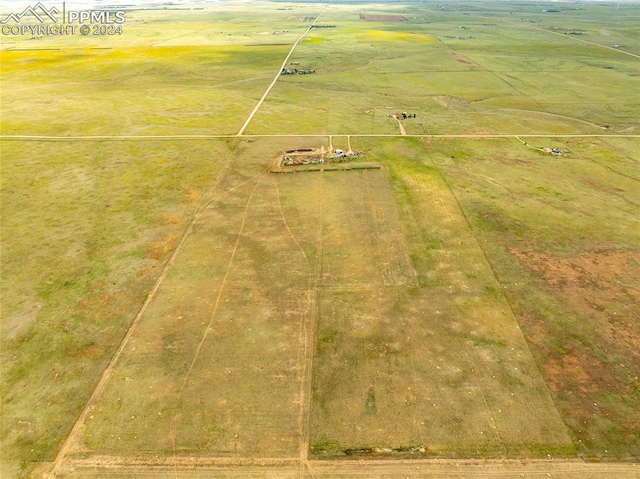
18	5
84	4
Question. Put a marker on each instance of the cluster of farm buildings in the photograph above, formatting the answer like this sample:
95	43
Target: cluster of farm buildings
297	71
313	157
404	115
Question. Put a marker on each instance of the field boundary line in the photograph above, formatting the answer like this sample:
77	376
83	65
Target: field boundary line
213	313
572	37
488	136
279	73
106	375
506	300
614	170
200	461
303	359
347	467
305	356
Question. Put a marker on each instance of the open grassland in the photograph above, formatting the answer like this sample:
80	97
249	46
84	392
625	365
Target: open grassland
433	364
134	90
459	73
228	24
562	235
472	298
413	331
473	69
216	365
200	73
86	229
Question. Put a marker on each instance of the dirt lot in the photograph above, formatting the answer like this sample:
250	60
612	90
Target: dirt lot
603	287
382	18
462	59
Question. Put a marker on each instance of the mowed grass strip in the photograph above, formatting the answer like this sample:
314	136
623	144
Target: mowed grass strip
440	368
360	203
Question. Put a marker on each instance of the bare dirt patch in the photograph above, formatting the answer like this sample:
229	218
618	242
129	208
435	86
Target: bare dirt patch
601	283
161	248
462	59
591	363
382	18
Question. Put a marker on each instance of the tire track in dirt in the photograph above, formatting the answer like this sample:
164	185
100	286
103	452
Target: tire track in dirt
309	327
393	468
310	334
476	373
213	314
286	224
106	375
311	331
306	351
490	180
321	230
372	218
403	132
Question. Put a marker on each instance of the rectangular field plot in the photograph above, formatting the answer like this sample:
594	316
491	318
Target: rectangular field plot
562	233
347	222
362	240
402	368
440	366
215	366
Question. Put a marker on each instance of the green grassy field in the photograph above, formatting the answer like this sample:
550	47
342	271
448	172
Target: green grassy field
561	235
135	90
497	75
226	375
475	298
86	229
437	360
171	72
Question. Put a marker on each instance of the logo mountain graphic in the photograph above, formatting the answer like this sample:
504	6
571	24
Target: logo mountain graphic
34	11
